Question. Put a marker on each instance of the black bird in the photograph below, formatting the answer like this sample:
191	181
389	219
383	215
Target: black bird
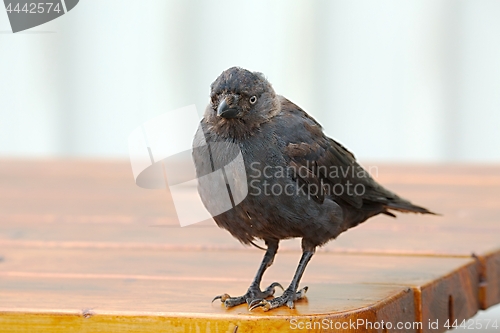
300	182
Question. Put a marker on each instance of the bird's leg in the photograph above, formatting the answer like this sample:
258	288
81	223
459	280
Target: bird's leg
254	292
290	294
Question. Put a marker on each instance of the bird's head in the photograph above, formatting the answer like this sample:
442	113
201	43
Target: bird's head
240	102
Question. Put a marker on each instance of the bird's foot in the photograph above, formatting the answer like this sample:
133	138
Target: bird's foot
288	298
254	293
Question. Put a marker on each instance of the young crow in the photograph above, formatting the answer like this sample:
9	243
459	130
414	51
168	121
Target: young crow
300	182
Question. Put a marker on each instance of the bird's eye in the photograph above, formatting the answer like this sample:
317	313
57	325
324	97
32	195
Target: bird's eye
253	99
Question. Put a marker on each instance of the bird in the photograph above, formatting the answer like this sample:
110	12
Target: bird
300	183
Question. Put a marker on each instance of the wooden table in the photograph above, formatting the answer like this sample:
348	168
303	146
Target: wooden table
83	249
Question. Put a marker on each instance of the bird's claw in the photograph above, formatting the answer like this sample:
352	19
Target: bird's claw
256	303
253	293
287	298
272	288
222	297
301	293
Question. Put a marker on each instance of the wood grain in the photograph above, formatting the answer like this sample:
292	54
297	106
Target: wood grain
73	318
79	235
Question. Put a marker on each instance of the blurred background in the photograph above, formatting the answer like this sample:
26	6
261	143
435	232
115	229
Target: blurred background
391	80
394	81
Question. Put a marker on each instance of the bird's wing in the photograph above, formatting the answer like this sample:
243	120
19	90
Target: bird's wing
323	167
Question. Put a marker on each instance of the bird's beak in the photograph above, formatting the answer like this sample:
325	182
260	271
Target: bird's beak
224	111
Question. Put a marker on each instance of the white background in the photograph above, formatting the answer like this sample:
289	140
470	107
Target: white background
391	80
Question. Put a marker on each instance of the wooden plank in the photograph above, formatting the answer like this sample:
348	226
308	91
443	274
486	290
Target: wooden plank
131	294
93	209
433	279
228	265
407	237
489	279
128	305
79	188
451	297
75	192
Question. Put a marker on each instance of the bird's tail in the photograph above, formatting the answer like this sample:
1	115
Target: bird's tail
405	206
